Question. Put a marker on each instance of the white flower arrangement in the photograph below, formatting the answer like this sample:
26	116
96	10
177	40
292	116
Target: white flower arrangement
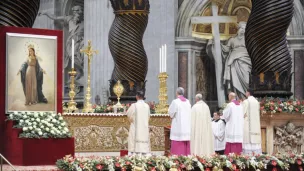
40	124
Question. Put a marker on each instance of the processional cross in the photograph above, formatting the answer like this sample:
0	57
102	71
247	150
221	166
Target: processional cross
215	20
89	52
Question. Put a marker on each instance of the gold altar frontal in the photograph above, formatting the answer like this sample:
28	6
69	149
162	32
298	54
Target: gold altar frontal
109	132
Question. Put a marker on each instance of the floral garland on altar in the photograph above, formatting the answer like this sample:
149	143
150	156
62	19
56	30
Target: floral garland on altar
276	105
40	124
174	163
109	108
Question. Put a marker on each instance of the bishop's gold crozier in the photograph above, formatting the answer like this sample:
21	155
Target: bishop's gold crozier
163	105
89	52
72	104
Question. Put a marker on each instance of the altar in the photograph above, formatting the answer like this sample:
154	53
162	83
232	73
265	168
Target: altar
108	132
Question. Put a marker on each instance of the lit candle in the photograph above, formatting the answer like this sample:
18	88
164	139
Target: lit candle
165	60
72	53
160	58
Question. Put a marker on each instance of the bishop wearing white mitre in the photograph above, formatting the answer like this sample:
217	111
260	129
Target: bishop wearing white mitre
139	115
201	143
252	125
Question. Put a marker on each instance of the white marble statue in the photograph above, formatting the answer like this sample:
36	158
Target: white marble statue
75	26
237	63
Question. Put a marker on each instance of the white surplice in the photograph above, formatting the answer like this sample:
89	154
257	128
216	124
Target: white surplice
234	117
252	127
139	139
218	128
201	143
180	112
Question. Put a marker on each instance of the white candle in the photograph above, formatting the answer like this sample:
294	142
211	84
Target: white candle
163	56
160	58
165	60
72	53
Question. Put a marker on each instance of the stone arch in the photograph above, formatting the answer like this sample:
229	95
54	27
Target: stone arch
187	10
192	8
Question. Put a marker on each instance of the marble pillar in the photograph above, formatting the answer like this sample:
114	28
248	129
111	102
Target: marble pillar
42	21
296	46
98	18
188	50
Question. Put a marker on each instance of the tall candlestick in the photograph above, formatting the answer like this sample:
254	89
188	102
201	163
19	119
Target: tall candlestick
160	56
72	53
165	59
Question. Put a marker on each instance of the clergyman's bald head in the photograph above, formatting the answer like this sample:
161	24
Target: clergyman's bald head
231	96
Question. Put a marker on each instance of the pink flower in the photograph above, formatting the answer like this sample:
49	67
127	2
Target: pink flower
234	167
99	167
299	162
297	109
128	163
153	169
182	166
207	169
274	163
117	165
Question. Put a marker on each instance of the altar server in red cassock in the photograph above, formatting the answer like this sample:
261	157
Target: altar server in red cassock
180	112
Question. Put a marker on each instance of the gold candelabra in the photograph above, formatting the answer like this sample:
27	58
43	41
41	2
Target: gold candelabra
72	104
163	105
118	90
89	52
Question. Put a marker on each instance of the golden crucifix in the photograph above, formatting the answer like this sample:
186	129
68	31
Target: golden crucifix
89	52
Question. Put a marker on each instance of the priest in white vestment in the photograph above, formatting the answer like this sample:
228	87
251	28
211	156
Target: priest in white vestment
201	143
218	128
234	117
252	125
180	113
139	115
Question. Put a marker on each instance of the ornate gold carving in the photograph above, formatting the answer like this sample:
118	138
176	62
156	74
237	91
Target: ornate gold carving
110	133
89	52
118	89
163	106
72	104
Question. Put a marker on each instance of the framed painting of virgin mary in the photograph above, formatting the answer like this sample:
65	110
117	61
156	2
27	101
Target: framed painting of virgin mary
32	73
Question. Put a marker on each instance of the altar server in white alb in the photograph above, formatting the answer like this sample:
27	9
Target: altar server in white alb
139	115
202	143
234	117
218	128
180	113
252	125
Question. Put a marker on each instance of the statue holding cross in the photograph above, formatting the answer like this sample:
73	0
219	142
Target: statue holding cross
216	51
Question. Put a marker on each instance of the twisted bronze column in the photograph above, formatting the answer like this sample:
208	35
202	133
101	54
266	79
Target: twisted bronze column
125	39
18	13
266	43
126	46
